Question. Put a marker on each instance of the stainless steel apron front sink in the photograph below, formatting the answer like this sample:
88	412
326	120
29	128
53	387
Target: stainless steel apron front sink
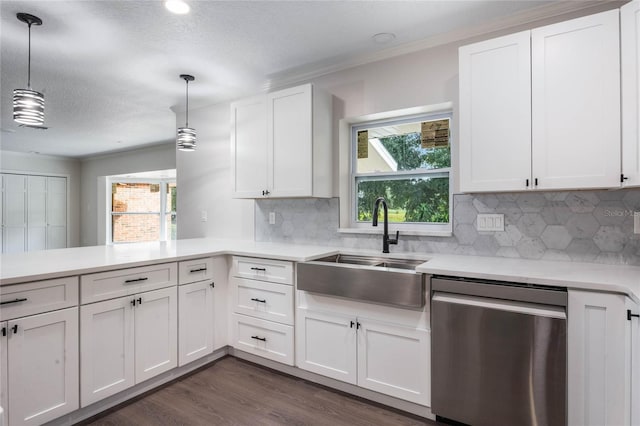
372	279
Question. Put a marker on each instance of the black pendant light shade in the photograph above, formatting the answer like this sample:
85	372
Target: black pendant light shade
186	137
28	104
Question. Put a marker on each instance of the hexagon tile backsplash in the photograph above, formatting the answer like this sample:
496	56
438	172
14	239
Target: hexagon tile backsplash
581	226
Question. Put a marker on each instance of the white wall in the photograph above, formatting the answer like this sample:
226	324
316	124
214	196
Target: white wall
52	166
204	181
93	188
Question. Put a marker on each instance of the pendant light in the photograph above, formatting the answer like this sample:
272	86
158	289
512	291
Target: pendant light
28	105
187	135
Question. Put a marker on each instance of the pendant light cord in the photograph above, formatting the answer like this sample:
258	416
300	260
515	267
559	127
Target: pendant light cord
29	60
187	123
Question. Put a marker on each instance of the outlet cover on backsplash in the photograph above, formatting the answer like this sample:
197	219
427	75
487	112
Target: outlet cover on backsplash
490	222
636	222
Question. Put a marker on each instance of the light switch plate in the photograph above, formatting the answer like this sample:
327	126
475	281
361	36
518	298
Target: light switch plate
636	222
490	222
272	218
203	215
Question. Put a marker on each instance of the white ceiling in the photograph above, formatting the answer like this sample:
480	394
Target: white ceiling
109	69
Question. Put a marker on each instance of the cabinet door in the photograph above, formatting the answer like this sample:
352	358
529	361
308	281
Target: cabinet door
107	347
156	332
495	114
290	139
249	147
43	367
576	103
326	344
15	213
196	321
632	390
630	49
596	359
3	373
56	212
394	360
37	213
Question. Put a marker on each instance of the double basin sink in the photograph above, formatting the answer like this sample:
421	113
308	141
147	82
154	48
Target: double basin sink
367	278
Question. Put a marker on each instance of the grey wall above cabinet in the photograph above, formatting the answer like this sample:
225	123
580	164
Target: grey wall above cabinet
581	226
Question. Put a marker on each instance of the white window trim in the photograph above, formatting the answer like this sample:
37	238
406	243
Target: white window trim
346	181
163	205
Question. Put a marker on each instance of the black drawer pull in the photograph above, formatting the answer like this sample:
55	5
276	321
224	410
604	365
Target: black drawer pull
253	268
259	300
629	315
24	299
135	280
197	270
262	339
213	285
15	329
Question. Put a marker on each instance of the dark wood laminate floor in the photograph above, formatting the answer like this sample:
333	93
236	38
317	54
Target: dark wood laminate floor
236	392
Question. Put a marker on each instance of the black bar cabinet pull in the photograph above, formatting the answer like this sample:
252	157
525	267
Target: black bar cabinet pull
15	329
629	315
358	326
254	268
198	270
139	300
4	331
23	299
135	280
213	285
352	324
133	302
259	300
535	181
527	184
262	339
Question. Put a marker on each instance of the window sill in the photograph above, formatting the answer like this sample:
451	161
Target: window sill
413	232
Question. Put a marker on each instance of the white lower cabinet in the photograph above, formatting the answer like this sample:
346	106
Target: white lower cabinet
196	321
599	359
127	340
39	371
388	358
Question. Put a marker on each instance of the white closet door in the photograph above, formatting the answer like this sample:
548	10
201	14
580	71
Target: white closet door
15	213
56	212
36	213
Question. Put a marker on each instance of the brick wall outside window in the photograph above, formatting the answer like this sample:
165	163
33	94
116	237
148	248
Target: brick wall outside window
135	198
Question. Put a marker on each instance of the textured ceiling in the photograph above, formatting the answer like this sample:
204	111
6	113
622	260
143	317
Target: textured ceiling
109	69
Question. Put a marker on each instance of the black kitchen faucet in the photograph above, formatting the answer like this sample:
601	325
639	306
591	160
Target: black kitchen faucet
385	236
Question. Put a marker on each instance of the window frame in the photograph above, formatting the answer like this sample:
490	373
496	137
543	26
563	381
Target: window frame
349	177
164	183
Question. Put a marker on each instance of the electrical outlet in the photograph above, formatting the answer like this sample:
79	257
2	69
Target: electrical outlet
490	222
272	218
636	222
203	215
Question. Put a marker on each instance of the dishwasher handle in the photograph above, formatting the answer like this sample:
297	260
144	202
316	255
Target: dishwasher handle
535	309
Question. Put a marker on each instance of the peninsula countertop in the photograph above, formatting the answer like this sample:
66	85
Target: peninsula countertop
38	265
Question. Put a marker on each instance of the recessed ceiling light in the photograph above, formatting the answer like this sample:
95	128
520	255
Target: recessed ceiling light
177	6
383	38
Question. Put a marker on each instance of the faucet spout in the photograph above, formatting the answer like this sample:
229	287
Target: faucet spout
385	236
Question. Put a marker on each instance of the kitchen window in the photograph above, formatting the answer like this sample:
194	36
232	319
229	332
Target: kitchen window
407	160
142	210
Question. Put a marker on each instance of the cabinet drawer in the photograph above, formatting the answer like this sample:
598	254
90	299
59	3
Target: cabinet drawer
268	301
263	338
275	271
191	271
125	282
40	296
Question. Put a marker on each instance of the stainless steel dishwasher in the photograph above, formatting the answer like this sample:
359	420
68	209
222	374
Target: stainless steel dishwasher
498	353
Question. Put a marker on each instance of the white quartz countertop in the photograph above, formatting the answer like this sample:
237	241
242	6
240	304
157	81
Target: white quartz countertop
587	276
38	265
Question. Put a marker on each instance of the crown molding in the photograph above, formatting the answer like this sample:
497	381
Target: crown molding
317	69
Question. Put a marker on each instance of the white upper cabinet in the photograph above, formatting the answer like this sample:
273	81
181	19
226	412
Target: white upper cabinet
630	49
281	144
576	103
495	113
249	147
573	87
